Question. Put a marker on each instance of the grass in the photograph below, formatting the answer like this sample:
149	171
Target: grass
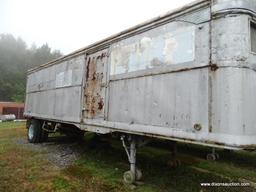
11	124
101	167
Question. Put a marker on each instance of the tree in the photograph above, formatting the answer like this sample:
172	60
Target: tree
15	59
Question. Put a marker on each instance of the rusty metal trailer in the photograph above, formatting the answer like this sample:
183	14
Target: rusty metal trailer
187	76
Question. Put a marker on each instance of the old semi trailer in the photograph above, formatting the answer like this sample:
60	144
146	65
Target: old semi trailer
186	76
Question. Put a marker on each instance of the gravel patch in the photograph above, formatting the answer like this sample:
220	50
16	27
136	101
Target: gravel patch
60	151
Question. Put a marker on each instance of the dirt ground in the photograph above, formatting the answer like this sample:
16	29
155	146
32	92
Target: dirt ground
64	164
61	150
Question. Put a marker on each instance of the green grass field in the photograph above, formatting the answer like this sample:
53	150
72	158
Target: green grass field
101	167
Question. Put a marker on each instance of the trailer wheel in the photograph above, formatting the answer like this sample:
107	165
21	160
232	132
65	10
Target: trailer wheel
129	177
34	131
211	157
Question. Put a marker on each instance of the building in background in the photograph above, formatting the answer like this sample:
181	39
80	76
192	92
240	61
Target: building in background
7	108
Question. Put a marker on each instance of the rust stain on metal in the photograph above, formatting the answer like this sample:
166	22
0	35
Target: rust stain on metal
214	67
100	104
101	56
88	68
94	101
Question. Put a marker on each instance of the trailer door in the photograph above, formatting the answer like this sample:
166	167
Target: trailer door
95	85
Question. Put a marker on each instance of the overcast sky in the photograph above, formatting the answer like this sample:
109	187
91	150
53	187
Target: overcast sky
69	25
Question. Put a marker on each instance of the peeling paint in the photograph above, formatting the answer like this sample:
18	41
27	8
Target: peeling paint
170	44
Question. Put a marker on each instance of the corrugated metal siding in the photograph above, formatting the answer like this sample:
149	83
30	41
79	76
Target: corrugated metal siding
55	92
165	99
168	100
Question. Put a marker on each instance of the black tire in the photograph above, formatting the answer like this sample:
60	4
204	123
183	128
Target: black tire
34	131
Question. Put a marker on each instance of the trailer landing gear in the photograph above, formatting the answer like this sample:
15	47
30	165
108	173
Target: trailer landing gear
212	156
134	174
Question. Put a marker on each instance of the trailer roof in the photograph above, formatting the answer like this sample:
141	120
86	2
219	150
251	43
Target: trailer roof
130	31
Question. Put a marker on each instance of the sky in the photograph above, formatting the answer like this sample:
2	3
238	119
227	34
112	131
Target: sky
70	25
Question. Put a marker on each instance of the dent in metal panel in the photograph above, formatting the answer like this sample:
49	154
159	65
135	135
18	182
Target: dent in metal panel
165	45
95	82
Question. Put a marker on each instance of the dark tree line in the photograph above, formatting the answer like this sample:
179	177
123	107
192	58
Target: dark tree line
15	59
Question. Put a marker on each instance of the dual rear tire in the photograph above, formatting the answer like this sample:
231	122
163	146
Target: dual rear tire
36	134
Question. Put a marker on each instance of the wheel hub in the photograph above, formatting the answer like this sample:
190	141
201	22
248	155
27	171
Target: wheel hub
31	132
